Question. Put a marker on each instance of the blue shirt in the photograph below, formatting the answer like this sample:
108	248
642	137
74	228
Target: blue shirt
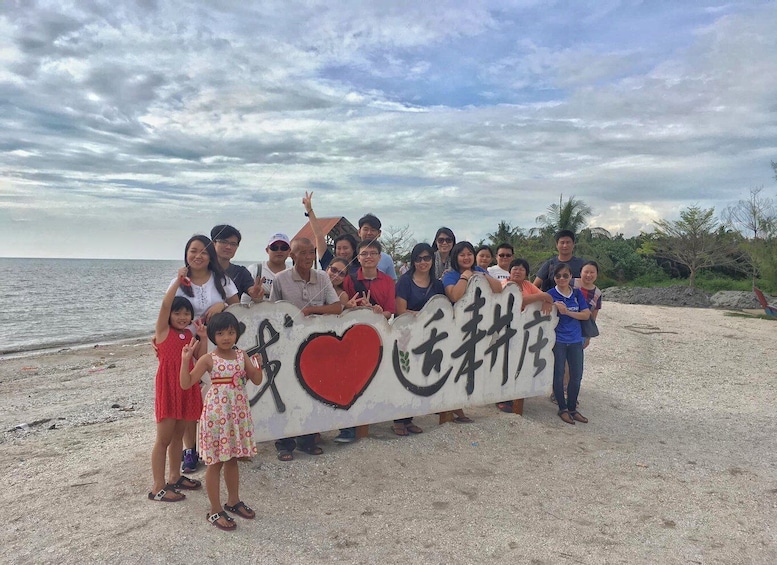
452	277
568	328
414	295
386	265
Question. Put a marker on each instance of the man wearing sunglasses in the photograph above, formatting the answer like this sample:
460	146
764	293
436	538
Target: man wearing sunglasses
278	249
504	255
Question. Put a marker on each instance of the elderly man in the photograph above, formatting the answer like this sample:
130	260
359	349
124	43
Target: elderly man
311	291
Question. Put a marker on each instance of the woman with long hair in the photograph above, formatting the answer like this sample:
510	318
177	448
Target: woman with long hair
444	240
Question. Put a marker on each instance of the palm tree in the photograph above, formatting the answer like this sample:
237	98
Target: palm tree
570	215
505	233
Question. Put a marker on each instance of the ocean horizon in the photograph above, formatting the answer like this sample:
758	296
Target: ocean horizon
51	303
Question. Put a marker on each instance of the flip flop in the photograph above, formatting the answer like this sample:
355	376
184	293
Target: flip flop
161	496
241	510
413	429
285	455
214	519
185	483
312	450
462	420
399	429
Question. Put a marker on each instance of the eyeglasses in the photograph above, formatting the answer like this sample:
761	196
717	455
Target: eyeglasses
423	259
444	240
227	243
369	254
566	276
337	272
505	255
279	247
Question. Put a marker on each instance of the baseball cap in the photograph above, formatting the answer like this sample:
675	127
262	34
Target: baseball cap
279	237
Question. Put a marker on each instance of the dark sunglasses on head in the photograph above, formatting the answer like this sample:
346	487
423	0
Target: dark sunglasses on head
444	240
423	259
279	247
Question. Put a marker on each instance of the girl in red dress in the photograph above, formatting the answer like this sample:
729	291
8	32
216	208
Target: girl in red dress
173	406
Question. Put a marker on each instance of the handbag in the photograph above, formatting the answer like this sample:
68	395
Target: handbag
589	327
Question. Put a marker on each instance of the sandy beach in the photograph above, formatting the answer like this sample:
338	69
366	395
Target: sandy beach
677	465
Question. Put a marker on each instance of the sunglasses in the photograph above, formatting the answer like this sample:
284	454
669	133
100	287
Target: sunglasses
423	259
505	255
444	240
566	276
337	272
279	247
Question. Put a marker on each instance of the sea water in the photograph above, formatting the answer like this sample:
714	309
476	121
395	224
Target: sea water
50	303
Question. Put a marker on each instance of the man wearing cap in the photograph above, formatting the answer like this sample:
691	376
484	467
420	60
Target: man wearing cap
369	230
278	249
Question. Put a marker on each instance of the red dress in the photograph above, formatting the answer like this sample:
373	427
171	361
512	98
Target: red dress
171	400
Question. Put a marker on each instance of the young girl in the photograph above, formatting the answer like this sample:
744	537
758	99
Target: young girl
173	406
590	291
226	428
572	308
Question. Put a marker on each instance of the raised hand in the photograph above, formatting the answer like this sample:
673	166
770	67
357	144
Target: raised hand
188	351
307	202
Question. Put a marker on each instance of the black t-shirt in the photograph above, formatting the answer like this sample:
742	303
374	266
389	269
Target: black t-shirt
546	271
241	277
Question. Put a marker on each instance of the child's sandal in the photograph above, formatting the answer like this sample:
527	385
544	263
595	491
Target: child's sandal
241	510
161	496
214	519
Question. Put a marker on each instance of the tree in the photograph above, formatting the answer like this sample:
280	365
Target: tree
570	215
754	217
505	233
398	242
694	241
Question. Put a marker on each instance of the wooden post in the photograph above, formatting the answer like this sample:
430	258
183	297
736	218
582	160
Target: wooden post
518	406
446	417
362	431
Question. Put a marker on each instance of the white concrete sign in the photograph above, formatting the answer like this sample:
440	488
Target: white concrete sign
328	372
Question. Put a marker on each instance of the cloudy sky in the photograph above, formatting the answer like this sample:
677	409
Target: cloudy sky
128	126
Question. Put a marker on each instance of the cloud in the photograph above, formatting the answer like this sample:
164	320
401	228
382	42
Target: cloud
173	116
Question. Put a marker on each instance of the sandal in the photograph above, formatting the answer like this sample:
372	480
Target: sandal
241	510
505	407
579	417
413	429
565	415
462	420
185	483
285	455
214	519
312	449
161	496
399	429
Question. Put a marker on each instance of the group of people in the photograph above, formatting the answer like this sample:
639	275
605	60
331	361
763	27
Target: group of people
356	273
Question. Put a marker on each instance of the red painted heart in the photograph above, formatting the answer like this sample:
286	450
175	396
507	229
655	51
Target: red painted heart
337	370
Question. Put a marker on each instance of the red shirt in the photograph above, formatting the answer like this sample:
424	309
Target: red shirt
381	289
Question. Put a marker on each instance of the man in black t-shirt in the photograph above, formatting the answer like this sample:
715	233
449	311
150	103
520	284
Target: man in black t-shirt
565	244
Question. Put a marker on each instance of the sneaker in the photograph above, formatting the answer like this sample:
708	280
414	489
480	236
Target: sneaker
189	464
347	435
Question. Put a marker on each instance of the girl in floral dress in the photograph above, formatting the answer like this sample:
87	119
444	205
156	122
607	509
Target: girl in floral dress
226	429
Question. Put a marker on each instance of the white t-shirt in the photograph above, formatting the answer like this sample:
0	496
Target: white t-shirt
207	295
268	277
498	273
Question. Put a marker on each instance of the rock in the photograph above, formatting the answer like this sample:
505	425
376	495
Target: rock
734	299
662	296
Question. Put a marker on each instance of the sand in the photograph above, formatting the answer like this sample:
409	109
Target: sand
677	465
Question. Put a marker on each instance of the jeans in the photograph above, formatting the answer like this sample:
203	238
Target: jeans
571	354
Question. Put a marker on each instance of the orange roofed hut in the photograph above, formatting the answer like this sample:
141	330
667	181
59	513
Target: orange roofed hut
332	228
